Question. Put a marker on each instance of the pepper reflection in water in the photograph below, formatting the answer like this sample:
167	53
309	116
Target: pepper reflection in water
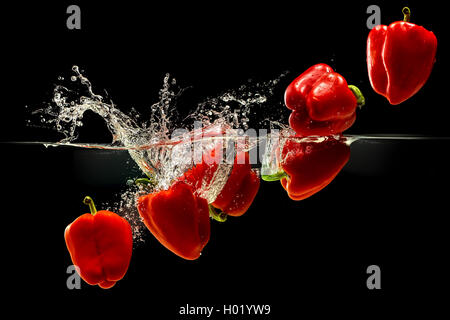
306	165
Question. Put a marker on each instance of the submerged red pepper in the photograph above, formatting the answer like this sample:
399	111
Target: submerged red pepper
240	189
309	166
321	102
100	244
178	219
400	58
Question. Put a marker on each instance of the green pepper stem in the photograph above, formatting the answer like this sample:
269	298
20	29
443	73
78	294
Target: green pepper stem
274	177
218	216
88	201
143	181
360	100
150	181
406	14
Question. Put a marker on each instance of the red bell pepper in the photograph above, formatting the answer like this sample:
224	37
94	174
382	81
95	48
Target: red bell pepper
309	166
240	189
100	244
400	58
178	219
321	102
238	192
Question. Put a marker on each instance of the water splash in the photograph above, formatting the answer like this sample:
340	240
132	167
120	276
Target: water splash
153	142
248	105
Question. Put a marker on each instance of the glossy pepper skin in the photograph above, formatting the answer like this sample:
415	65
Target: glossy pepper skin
100	244
311	166
240	189
321	102
178	219
400	58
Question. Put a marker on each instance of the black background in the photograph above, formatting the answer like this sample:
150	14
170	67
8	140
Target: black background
387	207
